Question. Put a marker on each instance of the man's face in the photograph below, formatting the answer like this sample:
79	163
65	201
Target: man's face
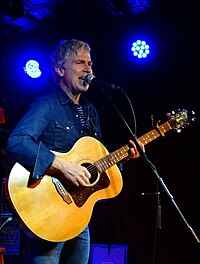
75	68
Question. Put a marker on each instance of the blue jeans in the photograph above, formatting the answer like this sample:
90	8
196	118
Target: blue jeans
74	251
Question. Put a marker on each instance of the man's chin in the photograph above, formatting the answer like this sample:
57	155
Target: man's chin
85	88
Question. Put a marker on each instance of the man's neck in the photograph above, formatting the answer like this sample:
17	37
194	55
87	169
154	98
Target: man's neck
74	97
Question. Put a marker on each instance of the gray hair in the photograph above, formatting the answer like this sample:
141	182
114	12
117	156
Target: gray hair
65	49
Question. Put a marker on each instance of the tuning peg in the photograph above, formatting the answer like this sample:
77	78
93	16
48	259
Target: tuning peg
193	118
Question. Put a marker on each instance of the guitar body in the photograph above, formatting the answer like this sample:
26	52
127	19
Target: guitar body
56	211
44	212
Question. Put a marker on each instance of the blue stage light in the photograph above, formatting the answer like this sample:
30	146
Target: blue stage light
32	68
140	49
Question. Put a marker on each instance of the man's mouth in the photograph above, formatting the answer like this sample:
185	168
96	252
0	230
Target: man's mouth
84	83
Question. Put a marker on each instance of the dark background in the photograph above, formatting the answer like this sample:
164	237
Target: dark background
168	81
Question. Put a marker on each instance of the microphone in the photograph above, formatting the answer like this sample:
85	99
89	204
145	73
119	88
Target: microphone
91	79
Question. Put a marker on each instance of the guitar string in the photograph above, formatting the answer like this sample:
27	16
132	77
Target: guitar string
109	160
93	169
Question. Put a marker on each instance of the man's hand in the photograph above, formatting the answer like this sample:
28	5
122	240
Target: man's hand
134	153
73	172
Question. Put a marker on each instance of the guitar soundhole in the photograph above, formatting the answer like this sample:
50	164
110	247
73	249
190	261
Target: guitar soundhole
92	170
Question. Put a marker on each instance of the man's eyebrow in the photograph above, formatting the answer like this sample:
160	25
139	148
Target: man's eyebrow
79	60
82	60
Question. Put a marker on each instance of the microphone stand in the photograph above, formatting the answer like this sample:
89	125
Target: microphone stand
158	178
158	220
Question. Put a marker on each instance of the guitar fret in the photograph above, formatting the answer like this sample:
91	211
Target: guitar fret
108	161
103	163
121	153
153	134
148	137
165	127
98	166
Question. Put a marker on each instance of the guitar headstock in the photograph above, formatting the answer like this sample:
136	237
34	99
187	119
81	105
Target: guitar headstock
180	118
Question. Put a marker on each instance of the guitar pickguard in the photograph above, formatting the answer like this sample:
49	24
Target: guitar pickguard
82	193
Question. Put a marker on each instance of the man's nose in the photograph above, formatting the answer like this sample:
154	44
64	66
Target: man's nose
88	68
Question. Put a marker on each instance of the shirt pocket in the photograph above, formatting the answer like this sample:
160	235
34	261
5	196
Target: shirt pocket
65	134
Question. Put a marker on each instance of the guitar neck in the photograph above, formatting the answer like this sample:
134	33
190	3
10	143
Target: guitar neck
118	155
155	133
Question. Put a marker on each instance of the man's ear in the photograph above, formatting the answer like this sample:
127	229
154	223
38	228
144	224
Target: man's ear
59	71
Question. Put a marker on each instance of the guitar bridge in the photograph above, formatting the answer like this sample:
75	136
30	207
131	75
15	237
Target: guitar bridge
62	191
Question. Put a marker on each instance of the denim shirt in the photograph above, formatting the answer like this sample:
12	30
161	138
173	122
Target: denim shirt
51	123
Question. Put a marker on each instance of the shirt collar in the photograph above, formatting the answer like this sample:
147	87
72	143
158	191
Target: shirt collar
65	99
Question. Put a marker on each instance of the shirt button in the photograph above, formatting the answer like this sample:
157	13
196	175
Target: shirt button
67	127
76	115
81	131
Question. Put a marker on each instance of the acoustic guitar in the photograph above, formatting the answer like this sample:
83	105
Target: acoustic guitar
56	211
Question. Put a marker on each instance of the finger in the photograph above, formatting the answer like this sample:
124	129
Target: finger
133	145
135	153
76	182
87	173
79	181
82	181
140	144
85	179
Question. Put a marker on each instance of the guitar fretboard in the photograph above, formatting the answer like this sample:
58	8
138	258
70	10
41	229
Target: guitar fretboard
155	133
118	155
111	159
